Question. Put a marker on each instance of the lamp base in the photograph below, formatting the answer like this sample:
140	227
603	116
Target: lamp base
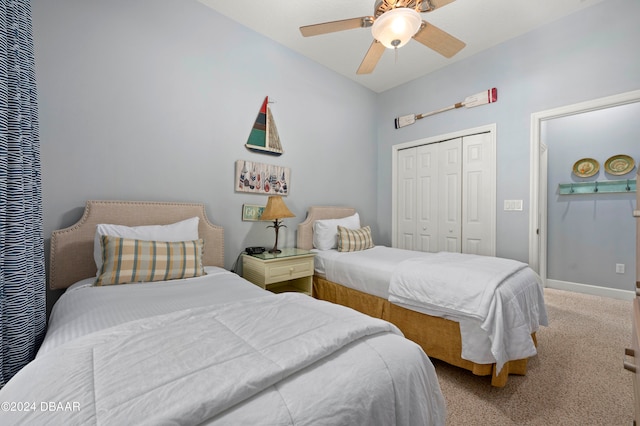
277	224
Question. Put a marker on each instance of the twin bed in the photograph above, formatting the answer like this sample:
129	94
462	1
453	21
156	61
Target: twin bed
210	348
485	322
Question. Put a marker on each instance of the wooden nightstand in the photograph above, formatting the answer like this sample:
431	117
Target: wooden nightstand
291	270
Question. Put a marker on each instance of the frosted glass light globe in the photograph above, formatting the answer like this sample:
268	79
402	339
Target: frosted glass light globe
395	27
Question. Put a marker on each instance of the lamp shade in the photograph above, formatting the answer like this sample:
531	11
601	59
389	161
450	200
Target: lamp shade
275	209
395	27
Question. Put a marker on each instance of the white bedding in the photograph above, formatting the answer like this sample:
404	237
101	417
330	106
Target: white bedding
502	332
454	283
239	355
368	271
84	309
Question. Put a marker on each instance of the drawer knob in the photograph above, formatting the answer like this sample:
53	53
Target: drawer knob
627	365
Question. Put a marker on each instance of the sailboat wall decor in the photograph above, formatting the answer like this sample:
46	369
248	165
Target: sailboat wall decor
264	136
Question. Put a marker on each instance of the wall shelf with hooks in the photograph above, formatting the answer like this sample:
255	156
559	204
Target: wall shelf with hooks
604	187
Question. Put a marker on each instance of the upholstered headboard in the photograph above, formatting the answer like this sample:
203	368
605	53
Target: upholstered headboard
71	257
305	228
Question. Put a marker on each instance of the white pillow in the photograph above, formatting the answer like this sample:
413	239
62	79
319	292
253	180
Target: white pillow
185	230
325	232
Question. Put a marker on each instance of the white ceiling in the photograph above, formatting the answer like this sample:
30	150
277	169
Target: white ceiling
480	24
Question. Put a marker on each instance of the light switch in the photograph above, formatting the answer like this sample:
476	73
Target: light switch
513	205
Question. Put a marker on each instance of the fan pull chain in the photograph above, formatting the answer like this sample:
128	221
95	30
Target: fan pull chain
395	44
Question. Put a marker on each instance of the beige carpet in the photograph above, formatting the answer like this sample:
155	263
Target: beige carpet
576	379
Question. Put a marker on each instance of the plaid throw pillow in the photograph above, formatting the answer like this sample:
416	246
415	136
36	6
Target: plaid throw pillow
354	239
126	260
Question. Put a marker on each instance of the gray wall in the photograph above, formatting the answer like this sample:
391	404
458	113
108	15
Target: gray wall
587	55
154	100
589	234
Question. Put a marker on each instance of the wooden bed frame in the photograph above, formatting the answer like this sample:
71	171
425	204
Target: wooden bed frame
440	338
71	257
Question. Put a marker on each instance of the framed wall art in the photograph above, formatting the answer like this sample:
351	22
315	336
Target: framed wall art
260	178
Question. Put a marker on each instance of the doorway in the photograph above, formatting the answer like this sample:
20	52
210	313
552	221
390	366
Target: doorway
538	184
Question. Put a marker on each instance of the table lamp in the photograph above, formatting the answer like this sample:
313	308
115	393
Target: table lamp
276	210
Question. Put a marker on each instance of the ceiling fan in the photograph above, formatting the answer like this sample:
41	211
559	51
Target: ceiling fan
393	24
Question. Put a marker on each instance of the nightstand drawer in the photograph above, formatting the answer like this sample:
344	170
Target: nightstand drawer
288	270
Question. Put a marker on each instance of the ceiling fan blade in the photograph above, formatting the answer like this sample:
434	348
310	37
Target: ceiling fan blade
438	40
333	26
371	58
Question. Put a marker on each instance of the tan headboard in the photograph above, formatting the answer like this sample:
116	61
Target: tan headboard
305	228
71	257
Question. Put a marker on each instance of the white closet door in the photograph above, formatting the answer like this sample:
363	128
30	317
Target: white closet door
478	195
450	195
406	198
446	196
427	198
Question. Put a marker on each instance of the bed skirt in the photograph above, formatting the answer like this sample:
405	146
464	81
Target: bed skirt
439	337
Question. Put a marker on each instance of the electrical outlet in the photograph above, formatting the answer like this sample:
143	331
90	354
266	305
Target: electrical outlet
619	268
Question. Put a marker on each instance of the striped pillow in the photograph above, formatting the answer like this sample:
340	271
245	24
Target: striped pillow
126	260
354	239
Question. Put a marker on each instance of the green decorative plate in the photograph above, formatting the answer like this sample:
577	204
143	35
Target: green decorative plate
586	167
619	165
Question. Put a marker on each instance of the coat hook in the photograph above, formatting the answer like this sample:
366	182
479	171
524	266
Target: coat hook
628	188
596	188
571	189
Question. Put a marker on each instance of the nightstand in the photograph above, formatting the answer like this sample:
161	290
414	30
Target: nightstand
291	270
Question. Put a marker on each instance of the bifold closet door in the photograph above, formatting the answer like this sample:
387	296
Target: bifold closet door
478	195
428	174
449	196
406	199
446	196
429	196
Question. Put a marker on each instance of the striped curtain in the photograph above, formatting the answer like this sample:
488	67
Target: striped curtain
22	272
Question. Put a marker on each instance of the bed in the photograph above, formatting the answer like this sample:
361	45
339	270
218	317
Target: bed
205	349
367	280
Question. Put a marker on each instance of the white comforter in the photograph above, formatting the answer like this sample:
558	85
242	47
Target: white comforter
269	360
496	314
454	283
466	286
84	309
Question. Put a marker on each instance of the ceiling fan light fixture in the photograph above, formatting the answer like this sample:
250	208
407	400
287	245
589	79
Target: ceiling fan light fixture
395	27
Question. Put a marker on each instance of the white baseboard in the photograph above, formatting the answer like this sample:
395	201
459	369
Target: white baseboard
591	289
